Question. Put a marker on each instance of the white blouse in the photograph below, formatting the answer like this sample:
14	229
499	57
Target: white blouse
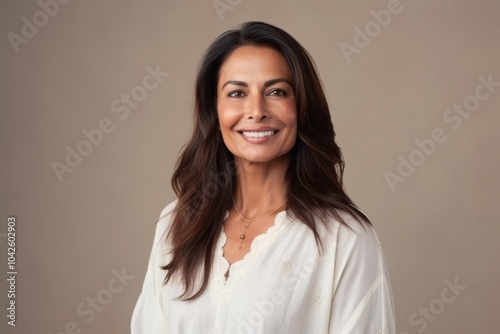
283	285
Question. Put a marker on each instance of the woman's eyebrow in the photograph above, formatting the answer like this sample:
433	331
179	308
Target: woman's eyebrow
236	83
266	84
274	81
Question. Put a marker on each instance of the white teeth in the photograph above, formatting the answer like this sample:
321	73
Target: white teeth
258	134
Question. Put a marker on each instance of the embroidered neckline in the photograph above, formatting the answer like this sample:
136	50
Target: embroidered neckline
221	288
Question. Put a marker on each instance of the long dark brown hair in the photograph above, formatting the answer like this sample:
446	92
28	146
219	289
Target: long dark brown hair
205	174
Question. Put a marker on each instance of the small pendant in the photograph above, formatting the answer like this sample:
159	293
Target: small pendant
242	237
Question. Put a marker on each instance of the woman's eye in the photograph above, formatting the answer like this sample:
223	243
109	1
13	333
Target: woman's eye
277	92
236	93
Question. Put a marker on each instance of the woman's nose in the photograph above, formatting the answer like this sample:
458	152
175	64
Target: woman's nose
257	108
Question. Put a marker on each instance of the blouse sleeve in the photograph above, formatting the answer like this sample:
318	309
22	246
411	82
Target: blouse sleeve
362	298
149	316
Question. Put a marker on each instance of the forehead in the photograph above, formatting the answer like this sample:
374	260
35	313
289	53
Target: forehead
254	63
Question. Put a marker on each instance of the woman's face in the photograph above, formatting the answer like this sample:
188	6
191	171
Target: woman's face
255	104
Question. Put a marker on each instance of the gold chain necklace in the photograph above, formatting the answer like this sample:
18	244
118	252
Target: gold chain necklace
248	221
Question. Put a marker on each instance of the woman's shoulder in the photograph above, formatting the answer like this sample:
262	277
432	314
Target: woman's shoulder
341	228
164	222
356	222
357	231
167	211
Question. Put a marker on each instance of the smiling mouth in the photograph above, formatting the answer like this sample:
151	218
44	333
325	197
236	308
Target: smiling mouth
258	134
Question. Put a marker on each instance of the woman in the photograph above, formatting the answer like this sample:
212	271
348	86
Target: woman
262	238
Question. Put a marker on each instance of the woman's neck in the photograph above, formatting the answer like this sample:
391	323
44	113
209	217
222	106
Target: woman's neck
260	187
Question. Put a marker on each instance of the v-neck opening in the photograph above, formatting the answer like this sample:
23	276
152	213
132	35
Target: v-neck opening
260	241
278	221
221	288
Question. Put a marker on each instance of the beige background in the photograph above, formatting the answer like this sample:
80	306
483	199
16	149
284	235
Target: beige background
441	224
